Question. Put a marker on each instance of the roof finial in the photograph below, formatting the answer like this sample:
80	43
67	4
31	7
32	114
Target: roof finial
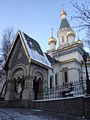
62	6
63	13
78	34
52	32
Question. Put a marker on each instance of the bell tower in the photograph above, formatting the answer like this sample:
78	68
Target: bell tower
66	35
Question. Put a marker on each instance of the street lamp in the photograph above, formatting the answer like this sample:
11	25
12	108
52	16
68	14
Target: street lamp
87	77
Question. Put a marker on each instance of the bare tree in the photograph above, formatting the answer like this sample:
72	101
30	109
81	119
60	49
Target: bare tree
83	17
87	40
6	43
82	14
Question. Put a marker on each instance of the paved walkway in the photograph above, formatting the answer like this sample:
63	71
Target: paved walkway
23	114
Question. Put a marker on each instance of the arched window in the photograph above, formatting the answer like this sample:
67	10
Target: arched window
62	39
79	74
51	82
65	75
56	79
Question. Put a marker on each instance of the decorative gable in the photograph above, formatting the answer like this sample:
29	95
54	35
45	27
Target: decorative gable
18	54
26	47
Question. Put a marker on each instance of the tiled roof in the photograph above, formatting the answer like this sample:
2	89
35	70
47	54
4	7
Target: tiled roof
32	50
64	24
52	60
33	44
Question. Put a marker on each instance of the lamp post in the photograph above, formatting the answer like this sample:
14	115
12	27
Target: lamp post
87	77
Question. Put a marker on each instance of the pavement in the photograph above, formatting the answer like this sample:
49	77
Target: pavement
34	114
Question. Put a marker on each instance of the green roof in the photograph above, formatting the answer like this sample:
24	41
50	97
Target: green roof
64	24
33	44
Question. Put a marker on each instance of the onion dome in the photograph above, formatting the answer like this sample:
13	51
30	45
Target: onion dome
52	39
63	14
80	41
71	33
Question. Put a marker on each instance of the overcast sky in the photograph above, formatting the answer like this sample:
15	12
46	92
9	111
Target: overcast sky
36	17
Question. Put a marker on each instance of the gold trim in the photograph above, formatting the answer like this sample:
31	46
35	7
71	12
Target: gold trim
42	65
70	60
26	52
52	40
66	48
70	33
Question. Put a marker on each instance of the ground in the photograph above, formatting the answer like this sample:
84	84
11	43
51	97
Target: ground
24	114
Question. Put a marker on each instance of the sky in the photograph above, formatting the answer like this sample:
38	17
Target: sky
36	18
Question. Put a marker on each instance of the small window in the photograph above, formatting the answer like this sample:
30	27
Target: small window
51	80
65	74
62	39
79	74
56	82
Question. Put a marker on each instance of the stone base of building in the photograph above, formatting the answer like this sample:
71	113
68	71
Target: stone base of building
74	106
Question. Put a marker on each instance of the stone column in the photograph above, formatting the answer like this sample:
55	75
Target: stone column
9	96
27	89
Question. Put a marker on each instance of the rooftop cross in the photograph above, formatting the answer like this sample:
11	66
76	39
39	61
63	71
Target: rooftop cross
52	32
61	3
78	33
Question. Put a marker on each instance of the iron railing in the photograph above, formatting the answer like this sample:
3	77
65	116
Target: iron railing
76	88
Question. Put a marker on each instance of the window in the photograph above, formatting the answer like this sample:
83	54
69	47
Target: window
51	80
62	39
79	74
65	74
56	82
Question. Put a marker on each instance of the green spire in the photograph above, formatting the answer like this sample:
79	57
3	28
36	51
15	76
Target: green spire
64	24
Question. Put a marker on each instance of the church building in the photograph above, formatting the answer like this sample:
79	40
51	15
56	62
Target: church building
32	74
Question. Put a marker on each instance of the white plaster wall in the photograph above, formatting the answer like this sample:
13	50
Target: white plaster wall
68	56
62	33
67	40
72	71
52	45
56	69
71	39
75	55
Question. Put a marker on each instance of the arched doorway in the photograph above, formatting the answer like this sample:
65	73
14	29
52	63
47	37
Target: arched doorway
17	82
38	85
19	87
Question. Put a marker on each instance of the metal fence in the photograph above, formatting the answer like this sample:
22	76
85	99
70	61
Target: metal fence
76	88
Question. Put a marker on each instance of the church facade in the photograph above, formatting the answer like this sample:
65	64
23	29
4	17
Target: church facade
71	66
32	74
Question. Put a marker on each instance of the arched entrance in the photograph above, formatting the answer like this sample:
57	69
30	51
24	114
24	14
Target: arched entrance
38	83
19	87
17	82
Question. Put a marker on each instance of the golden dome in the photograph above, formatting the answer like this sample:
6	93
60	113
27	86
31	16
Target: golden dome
71	33
63	13
80	41
52	39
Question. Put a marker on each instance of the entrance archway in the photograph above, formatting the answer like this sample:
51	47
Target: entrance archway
19	87
17	81
38	81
